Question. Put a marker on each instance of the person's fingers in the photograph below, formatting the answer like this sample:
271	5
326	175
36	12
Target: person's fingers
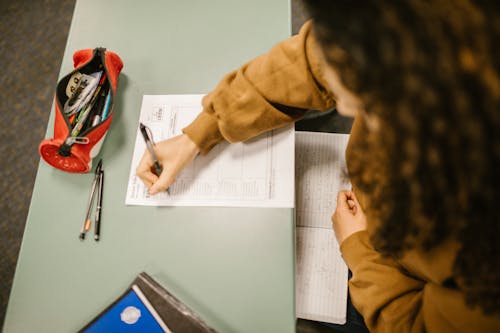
166	179
341	206
173	155
345	205
342	199
340	210
149	179
352	206
356	207
143	171
351	203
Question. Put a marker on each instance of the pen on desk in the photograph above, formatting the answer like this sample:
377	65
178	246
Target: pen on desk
86	223
149	144
97	226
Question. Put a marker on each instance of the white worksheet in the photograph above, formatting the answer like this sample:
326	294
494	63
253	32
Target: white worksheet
255	173
321	274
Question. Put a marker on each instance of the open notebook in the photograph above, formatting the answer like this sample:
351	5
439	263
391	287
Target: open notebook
321	274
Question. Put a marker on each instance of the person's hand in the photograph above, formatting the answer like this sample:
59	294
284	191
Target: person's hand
173	155
348	217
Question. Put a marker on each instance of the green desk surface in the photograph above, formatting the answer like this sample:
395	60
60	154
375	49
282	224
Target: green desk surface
234	266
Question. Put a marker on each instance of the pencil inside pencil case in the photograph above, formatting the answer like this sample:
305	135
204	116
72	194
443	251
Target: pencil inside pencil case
84	108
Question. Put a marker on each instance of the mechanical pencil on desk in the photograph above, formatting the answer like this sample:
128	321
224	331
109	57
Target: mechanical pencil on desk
86	223
97	226
146	134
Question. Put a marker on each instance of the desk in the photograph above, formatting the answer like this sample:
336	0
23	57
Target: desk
234	266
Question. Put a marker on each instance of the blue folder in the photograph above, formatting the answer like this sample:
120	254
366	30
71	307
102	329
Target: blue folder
132	313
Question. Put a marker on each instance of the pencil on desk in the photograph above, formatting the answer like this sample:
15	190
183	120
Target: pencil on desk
87	222
97	230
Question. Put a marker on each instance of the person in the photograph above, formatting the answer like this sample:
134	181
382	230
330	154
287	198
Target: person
419	230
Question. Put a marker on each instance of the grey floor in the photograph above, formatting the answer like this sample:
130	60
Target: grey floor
33	36
32	40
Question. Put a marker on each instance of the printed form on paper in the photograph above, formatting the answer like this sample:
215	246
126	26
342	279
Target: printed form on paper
255	173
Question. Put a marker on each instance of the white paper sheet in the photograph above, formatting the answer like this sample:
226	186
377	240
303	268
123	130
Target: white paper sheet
256	173
321	274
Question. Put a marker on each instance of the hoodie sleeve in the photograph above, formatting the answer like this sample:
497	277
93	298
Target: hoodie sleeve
272	90
392	300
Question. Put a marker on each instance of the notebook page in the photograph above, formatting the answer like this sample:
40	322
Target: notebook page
320	172
321	274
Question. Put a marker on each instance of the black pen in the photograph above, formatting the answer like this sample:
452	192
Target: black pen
149	144
86	223
97	226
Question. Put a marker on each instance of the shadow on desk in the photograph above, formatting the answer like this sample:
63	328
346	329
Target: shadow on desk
308	326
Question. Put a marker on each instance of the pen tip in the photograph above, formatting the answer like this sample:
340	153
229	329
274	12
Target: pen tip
96	237
82	236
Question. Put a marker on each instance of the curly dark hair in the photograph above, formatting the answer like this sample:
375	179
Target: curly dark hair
428	71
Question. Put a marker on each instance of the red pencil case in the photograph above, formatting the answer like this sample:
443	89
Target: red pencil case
79	127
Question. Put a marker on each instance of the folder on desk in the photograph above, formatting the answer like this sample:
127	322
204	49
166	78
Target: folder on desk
147	307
